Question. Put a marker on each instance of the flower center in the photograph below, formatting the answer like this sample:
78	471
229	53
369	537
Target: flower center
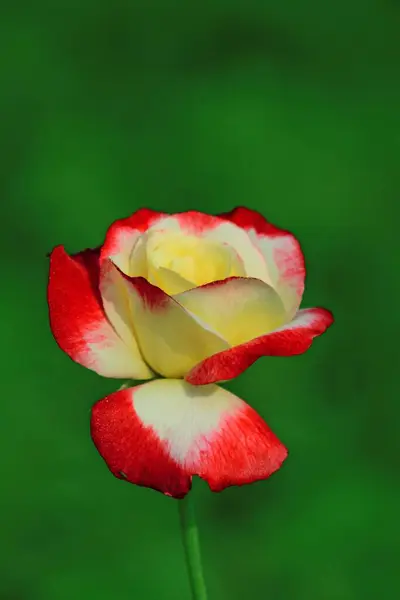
177	262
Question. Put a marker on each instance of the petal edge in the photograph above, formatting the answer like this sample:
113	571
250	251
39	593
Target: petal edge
294	338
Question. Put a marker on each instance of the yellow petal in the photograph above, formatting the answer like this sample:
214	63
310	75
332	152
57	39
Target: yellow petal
116	305
169	281
195	260
170	338
239	309
220	232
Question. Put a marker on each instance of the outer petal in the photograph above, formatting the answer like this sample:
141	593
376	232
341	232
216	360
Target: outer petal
162	433
78	322
215	228
123	234
240	309
294	338
171	339
282	253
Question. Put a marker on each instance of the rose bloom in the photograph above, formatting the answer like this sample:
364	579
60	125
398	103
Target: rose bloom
195	299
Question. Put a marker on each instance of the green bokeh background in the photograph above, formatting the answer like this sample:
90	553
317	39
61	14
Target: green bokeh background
291	108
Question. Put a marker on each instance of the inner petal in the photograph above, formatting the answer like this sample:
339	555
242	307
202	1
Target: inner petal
219	231
138	259
178	262
238	309
169	281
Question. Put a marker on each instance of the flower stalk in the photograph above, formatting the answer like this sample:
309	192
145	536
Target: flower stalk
190	538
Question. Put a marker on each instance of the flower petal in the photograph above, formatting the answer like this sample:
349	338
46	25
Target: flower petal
169	281
291	339
171	339
282	253
239	309
78	322
123	234
162	433
219	230
117	306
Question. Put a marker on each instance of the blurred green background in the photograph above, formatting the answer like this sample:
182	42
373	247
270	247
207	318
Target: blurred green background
291	108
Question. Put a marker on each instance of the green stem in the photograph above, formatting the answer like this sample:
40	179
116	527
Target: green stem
190	538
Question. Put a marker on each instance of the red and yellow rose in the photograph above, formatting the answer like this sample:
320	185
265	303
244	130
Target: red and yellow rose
195	299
